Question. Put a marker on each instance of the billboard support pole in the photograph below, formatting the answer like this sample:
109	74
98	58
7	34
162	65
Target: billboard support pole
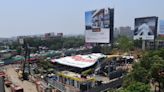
111	29
143	44
155	44
155	36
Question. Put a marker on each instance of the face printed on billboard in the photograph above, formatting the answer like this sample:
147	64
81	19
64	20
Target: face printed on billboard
145	28
97	25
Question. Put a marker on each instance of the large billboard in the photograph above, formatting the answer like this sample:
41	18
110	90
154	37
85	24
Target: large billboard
145	28
161	28
97	26
80	61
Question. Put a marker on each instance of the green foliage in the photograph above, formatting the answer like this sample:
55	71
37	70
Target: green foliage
133	87
124	43
45	64
127	80
106	50
87	72
148	68
138	73
54	43
155	70
96	49
70	42
138	43
136	87
161	53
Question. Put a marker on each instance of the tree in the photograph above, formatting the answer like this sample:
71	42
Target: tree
149	68
161	53
96	49
147	61
133	87
138	43
137	87
106	50
124	43
155	73
138	74
53	43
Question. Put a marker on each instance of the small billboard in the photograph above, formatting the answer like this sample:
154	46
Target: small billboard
161	28
145	28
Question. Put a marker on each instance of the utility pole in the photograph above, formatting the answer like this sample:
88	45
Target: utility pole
24	63
25	45
111	28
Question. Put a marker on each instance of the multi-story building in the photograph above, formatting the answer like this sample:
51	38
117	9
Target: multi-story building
59	35
158	44
116	32
123	31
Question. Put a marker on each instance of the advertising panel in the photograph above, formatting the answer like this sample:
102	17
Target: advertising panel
80	61
161	28
97	26
145	28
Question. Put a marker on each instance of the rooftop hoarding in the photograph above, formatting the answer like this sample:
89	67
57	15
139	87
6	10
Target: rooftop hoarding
145	28
161	28
79	61
98	24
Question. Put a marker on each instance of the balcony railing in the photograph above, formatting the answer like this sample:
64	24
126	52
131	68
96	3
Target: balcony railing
57	85
62	87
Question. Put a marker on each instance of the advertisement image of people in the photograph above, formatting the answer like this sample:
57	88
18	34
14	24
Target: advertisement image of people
145	28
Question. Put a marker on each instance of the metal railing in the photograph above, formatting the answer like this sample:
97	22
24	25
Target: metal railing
57	85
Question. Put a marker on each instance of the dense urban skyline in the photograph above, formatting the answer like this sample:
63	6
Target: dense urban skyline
30	17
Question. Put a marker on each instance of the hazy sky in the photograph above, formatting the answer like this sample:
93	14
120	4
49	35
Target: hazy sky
26	17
